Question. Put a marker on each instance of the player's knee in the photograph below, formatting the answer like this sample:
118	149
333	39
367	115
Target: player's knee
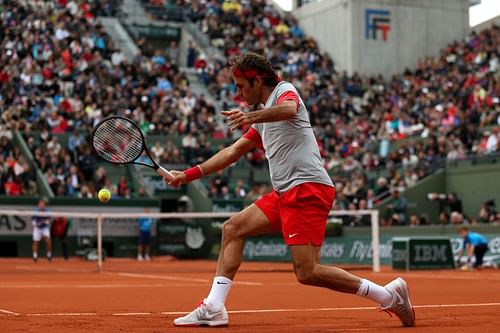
305	274
230	228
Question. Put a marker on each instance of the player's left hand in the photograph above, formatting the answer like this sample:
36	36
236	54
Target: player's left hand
236	118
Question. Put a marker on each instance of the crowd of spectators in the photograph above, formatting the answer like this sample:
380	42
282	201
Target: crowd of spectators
447	108
60	72
17	176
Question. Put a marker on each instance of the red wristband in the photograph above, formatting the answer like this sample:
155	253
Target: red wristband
193	173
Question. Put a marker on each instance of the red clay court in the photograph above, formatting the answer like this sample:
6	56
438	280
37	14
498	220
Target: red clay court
130	296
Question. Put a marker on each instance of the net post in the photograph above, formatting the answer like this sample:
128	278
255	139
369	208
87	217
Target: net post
375	240
99	242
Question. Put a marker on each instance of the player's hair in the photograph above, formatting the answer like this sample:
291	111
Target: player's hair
250	64
463	228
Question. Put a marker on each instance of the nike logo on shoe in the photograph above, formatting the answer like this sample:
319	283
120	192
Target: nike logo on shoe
292	235
367	291
218	282
203	315
400	300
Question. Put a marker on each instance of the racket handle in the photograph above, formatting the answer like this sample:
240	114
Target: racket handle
165	173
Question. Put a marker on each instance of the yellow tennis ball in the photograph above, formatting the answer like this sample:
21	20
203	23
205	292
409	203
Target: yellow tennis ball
104	195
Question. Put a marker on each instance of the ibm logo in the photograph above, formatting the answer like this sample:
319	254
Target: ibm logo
377	20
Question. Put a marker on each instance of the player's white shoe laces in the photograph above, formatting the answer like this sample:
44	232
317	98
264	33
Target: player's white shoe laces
400	305
203	315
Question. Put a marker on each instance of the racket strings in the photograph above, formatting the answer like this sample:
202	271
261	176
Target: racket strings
118	140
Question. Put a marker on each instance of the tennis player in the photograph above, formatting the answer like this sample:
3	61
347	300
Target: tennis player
299	205
41	229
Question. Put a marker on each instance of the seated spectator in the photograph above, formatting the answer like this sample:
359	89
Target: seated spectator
220	180
382	190
87	163
488	212
75	141
458	218
414	221
101	177
157	150
225	193
444	218
13	186
123	189
85	192
447	202
396	210
240	190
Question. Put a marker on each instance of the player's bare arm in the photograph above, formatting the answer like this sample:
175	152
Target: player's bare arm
284	111
219	161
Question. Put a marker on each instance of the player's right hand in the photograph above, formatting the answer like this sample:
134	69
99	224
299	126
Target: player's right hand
179	178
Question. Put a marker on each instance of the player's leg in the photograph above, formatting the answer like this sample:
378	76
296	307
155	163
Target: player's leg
146	251
393	297
48	244
34	248
147	240
479	252
64	246
140	247
304	212
211	311
139	253
37	236
249	222
309	271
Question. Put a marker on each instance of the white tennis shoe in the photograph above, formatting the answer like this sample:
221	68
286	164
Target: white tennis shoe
204	315
400	305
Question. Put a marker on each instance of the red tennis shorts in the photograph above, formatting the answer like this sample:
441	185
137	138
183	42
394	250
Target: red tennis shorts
300	213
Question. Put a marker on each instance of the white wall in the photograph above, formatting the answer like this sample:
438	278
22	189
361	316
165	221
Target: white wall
418	28
330	24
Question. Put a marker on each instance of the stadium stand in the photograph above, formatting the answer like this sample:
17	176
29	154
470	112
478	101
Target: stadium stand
61	72
445	109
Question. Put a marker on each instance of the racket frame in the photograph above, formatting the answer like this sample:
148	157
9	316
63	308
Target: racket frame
158	168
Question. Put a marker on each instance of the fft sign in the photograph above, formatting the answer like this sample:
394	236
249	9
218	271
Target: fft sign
377	24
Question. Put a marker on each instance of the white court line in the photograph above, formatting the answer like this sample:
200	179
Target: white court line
348	309
455	305
331	328
174	278
161	277
9	312
456	276
60	270
97	286
247	283
83	314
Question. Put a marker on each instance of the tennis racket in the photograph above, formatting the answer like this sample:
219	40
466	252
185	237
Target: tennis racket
119	140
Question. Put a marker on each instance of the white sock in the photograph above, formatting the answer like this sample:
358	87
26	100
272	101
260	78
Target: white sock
35	255
49	254
375	292
220	288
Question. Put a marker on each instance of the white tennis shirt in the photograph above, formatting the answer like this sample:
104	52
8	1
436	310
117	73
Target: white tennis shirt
290	146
